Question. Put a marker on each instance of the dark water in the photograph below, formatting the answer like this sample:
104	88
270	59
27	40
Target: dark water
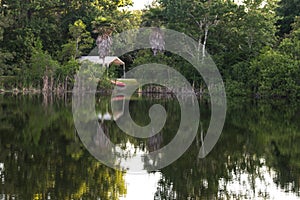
256	157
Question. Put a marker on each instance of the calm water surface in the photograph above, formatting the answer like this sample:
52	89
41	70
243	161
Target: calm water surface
41	156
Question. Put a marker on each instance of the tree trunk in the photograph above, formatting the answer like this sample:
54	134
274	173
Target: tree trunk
77	47
45	83
66	84
51	83
204	41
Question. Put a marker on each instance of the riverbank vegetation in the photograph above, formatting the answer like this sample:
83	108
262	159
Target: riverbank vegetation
255	44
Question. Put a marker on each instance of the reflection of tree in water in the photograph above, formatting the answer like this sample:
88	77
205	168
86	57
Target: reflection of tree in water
276	126
257	141
165	191
111	130
155	142
41	158
101	138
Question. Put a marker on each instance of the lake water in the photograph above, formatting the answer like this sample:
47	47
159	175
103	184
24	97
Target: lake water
42	157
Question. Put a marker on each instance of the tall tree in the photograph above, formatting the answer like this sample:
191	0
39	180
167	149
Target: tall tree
194	18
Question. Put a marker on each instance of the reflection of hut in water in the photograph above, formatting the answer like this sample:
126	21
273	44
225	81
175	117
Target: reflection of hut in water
101	139
119	105
106	116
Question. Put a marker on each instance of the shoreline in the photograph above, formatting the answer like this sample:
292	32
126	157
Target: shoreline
33	91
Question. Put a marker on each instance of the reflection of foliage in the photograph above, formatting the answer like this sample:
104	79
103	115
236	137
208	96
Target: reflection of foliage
139	112
43	156
268	131
276	127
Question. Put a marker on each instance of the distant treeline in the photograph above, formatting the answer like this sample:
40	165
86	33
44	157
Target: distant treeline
255	44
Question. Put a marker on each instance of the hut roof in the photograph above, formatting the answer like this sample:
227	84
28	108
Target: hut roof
108	60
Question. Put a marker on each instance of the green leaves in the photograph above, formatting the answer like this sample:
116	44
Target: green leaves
42	65
81	37
277	74
287	10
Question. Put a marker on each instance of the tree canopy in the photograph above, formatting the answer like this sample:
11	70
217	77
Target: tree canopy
255	44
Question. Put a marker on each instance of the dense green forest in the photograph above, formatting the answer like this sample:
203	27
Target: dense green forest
254	43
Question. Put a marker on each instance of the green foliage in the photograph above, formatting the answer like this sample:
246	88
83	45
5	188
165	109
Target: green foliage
5	68
276	74
68	69
237	88
115	21
234	34
81	37
291	44
8	82
41	64
5	56
80	42
68	51
154	17
287	10
64	29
